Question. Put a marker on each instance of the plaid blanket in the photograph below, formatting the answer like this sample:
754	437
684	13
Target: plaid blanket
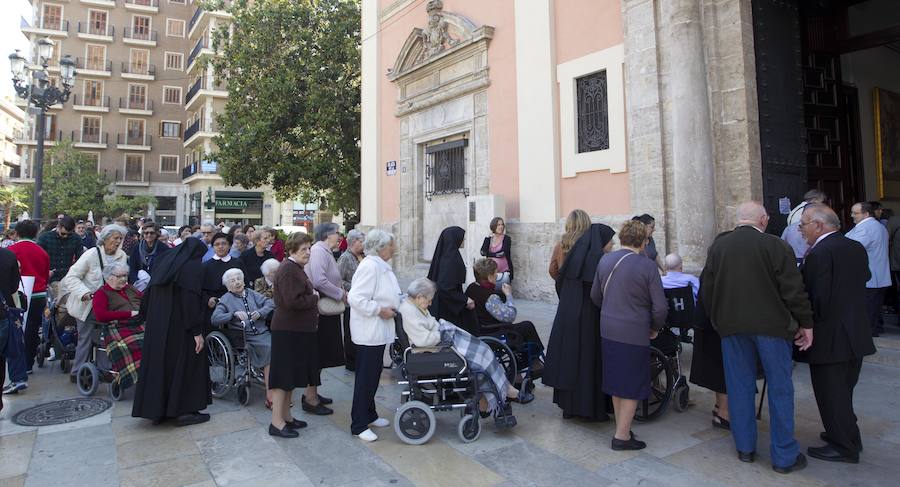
123	347
481	358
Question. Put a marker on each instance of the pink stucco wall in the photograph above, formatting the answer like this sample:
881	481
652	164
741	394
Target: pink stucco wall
583	27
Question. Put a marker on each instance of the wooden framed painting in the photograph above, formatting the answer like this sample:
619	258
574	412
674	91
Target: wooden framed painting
887	142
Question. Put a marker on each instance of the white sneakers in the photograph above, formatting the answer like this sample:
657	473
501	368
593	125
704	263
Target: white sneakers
368	436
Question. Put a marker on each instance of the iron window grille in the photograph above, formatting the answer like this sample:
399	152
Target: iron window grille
445	168
593	112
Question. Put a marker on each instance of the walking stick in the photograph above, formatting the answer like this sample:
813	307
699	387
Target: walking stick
762	397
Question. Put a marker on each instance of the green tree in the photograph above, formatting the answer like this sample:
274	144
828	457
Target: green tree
116	205
13	199
292	118
71	183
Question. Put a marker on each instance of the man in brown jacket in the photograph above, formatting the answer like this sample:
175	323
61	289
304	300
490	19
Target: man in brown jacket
755	298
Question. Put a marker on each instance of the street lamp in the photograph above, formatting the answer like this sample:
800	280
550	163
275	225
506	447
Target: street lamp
39	93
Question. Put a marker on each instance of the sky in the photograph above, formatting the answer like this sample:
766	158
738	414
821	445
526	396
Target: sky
11	38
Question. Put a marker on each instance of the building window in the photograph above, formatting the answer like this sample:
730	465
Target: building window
174	28
52	17
140	26
134	131
96	57
172	94
93	93
139	61
593	112
179	2
93	157
134	167
168	163
445	168
170	129
97	22
137	97
90	130
174	60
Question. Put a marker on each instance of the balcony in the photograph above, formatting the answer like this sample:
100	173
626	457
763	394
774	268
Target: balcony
89	140
100	3
92	32
133	142
202	46
139	37
198	131
201	17
30	138
129	177
93	67
151	6
202	87
129	106
48	27
199	170
140	71
98	104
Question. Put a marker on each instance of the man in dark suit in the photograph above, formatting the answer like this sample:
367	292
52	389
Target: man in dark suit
835	272
754	297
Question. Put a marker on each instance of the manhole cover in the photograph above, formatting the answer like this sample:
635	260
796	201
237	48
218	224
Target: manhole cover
59	412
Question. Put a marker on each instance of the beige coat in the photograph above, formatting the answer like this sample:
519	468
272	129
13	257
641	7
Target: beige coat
86	276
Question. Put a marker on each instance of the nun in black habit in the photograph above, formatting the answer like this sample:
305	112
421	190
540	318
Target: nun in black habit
448	272
173	381
573	366
212	287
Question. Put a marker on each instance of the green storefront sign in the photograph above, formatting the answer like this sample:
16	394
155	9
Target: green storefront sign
229	203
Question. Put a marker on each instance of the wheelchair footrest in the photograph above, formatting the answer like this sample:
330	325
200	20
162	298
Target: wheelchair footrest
505	419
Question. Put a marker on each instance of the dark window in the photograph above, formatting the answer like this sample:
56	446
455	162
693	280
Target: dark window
445	168
593	112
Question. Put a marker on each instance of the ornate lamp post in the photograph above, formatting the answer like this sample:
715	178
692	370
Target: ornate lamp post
39	93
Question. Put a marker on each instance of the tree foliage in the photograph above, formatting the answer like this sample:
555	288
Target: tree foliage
13	200
292	118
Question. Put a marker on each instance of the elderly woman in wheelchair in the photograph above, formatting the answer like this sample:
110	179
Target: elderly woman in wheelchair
246	311
424	330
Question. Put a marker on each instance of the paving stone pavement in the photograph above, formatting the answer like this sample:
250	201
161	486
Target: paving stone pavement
234	448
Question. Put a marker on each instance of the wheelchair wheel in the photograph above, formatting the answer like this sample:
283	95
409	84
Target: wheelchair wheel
661	385
505	356
469	428
682	398
221	364
414	423
39	358
88	379
115	390
243	394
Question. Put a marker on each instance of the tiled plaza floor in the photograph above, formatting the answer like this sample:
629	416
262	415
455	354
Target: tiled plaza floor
234	448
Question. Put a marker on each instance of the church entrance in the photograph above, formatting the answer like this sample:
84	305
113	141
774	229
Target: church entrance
827	72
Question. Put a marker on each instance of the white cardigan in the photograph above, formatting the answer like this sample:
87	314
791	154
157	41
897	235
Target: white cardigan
374	286
85	276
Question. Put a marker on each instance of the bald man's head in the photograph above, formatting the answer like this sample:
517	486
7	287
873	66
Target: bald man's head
754	214
817	220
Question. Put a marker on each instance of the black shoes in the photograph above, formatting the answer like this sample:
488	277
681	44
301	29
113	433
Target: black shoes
285	432
295	424
831	454
747	457
324	400
629	444
799	464
318	409
192	418
824	437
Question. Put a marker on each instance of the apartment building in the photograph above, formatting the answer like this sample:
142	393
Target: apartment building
12	122
144	104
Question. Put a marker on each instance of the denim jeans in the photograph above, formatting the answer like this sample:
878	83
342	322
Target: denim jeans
740	353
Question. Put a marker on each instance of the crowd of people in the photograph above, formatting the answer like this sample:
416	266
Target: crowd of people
311	302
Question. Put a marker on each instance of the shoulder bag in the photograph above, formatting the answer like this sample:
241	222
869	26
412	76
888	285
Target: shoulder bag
613	271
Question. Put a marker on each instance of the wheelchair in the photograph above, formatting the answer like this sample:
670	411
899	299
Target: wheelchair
59	334
229	364
99	369
667	383
439	379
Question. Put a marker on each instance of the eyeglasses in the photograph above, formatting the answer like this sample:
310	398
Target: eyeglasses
150	233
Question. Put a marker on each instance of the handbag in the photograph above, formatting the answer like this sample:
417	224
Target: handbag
330	307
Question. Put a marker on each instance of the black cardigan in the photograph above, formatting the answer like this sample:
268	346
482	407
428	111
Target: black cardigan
506	250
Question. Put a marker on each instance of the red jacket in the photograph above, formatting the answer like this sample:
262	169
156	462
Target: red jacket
33	261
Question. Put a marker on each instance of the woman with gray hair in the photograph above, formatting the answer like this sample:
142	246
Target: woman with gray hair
326	280
265	284
118	305
425	331
347	264
81	282
374	297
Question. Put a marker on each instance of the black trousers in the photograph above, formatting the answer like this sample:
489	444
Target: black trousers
833	387
34	322
368	374
874	300
349	347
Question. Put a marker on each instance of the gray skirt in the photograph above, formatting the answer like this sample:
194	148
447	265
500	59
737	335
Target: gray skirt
259	349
